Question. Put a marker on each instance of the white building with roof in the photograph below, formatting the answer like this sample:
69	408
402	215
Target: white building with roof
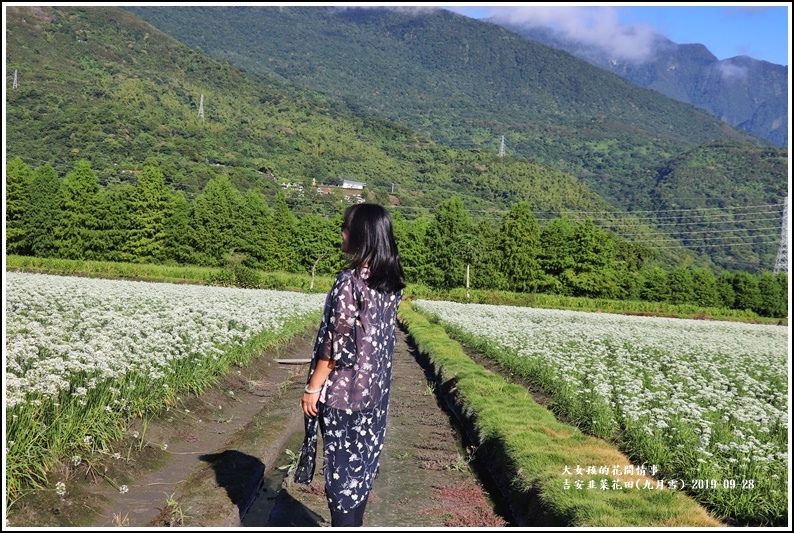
351	184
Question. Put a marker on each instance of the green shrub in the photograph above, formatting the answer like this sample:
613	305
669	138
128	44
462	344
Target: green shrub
223	278
246	277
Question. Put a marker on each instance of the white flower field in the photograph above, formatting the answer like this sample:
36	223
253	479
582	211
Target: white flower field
706	402
60	327
82	355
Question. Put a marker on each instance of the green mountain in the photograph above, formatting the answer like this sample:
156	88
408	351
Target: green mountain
459	81
724	200
101	84
749	94
466	83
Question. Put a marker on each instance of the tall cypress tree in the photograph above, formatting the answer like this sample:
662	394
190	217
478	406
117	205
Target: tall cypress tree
630	259
41	219
782	282
486	273
177	232
471	249
681	285
594	271
655	288
282	257
19	177
400	229
556	246
257	222
109	240
705	287
519	249
446	268
771	301
215	221
77	218
151	204
317	237
725	289
745	288
410	238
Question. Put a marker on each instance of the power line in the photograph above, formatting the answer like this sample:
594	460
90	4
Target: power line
714	245
673	210
626	218
663	239
619	213
633	222
705	216
706	231
683	223
616	213
718	241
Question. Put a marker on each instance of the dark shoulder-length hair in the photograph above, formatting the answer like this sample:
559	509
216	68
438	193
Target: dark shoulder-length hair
370	241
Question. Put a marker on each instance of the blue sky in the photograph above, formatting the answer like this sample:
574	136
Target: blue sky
759	31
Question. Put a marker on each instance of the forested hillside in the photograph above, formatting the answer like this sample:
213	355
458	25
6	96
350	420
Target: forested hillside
466	83
460	81
746	93
100	85
109	159
726	201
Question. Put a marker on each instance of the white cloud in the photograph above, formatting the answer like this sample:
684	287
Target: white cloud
595	26
731	72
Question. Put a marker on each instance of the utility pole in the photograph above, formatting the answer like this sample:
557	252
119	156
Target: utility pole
502	148
782	252
15	85
201	107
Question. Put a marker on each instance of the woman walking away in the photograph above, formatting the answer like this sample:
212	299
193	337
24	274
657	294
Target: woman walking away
350	374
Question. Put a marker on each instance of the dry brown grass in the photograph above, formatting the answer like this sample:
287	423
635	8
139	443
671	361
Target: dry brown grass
465	506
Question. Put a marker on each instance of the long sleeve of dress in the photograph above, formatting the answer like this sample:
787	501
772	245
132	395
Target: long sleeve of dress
342	310
335	341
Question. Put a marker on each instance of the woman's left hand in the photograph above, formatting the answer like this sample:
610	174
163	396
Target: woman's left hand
316	383
309	404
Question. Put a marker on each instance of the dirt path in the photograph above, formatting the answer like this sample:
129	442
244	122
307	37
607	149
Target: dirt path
425	479
203	462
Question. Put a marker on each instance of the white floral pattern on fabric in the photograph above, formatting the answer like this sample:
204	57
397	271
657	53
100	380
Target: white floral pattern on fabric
357	331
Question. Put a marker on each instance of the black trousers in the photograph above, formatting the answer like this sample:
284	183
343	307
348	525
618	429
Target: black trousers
354	518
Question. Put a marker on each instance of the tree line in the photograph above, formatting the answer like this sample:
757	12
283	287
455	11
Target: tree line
74	217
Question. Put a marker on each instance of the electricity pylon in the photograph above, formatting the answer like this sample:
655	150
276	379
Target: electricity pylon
782	252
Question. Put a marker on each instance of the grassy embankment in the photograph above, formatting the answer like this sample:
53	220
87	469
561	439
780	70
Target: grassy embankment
530	449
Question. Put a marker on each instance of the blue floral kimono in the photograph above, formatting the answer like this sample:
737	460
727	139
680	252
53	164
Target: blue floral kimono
357	331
